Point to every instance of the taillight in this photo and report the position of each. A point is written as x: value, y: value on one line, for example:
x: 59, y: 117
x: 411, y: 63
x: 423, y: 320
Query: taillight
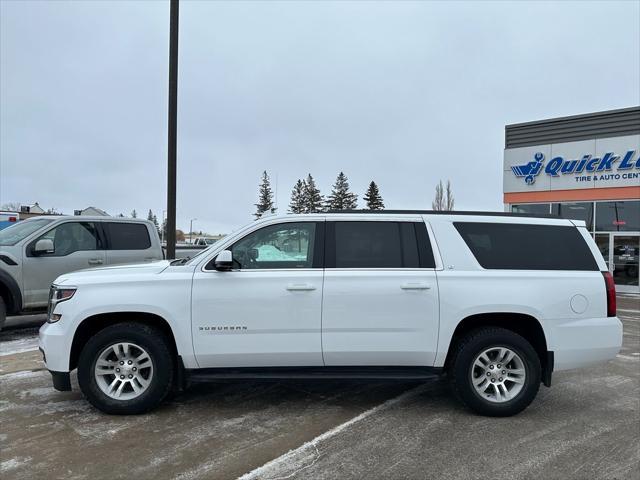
x: 611, y: 294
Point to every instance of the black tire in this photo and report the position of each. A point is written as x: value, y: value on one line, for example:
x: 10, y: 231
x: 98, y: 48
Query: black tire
x: 149, y: 338
x: 3, y: 313
x: 465, y: 352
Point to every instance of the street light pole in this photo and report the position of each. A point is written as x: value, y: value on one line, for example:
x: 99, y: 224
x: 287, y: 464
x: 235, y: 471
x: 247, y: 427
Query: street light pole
x: 191, y: 229
x: 172, y: 134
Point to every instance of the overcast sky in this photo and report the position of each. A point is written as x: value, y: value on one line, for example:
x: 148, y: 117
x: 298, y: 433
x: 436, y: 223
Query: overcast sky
x: 401, y: 93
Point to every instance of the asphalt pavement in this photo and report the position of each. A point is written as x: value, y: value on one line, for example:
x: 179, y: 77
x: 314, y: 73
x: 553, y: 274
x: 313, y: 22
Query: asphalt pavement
x: 587, y: 426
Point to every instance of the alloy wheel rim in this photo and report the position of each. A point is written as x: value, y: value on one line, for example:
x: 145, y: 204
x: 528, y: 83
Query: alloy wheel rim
x: 123, y: 371
x: 498, y: 374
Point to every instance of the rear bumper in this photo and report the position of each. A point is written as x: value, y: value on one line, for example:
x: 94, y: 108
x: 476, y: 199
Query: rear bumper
x: 579, y: 343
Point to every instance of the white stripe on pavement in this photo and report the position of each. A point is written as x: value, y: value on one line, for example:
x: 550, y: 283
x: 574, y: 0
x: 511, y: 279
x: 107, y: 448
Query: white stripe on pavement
x: 276, y: 465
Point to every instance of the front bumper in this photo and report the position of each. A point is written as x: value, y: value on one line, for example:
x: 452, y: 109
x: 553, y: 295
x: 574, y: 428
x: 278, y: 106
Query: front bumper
x: 55, y: 346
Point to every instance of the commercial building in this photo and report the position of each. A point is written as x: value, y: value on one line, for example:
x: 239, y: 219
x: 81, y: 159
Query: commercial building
x: 583, y: 167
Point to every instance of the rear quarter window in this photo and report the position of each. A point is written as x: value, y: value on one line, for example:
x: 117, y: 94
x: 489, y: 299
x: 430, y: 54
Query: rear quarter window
x: 509, y: 246
x: 127, y: 236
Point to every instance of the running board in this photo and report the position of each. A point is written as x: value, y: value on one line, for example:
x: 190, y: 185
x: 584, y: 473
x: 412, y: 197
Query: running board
x: 312, y: 373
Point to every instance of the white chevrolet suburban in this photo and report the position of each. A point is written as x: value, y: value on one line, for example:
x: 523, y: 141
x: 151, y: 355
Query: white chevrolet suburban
x: 497, y: 302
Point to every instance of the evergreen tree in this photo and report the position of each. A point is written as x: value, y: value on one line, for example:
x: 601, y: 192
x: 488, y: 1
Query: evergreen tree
x: 341, y: 198
x: 265, y: 197
x: 134, y: 214
x: 312, y: 199
x: 373, y: 198
x: 297, y: 204
x: 153, y: 219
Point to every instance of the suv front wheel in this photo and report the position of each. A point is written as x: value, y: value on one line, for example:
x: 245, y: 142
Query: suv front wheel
x: 495, y: 372
x: 126, y: 369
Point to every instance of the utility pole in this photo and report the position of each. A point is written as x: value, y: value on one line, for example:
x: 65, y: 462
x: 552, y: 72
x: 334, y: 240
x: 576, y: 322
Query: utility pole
x: 173, y: 124
x: 191, y: 230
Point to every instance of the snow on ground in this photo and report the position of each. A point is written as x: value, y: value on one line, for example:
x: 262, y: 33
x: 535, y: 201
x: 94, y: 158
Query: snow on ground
x: 26, y: 344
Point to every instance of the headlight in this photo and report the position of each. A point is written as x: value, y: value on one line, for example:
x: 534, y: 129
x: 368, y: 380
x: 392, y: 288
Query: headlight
x: 57, y: 295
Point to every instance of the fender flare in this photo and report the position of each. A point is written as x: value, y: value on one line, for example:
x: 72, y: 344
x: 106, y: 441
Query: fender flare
x: 10, y: 291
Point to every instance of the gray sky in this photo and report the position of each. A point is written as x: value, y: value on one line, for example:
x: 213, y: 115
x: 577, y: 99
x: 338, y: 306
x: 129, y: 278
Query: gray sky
x: 401, y: 93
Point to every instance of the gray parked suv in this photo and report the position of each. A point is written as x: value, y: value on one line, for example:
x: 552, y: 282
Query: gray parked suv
x: 34, y: 252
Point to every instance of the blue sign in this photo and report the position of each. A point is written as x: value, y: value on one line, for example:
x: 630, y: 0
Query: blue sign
x: 587, y: 165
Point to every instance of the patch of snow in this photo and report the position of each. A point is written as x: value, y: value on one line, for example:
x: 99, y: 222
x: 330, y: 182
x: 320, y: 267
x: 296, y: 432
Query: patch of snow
x: 21, y: 345
x: 13, y: 463
x: 10, y: 377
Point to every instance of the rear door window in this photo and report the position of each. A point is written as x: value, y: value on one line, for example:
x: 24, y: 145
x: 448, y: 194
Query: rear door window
x: 374, y: 244
x: 127, y: 236
x: 512, y: 246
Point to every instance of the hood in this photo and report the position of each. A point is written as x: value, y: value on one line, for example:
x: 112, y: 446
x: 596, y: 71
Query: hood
x: 115, y: 271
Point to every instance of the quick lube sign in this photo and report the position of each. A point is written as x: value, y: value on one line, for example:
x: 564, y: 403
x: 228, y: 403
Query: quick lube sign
x: 587, y: 165
x: 574, y: 165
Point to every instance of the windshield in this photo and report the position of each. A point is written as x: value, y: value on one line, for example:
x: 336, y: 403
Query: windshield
x: 21, y: 230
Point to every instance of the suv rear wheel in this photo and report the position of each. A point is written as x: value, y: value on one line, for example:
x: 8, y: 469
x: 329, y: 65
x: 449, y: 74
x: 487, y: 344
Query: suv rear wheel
x: 126, y: 368
x: 495, y: 372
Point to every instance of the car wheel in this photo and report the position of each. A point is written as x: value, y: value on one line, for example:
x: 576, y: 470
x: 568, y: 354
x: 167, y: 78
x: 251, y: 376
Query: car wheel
x: 3, y: 313
x: 126, y: 369
x: 495, y: 372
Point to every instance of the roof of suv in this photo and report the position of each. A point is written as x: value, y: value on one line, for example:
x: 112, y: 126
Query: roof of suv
x: 442, y: 212
x: 92, y: 218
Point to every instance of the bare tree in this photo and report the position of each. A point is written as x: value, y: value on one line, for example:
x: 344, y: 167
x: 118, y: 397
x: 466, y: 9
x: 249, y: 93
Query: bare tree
x: 444, y: 198
x: 11, y: 207
x: 449, y: 197
x: 438, y: 201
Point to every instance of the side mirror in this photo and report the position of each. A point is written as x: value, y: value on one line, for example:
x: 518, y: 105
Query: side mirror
x: 224, y: 260
x: 44, y: 245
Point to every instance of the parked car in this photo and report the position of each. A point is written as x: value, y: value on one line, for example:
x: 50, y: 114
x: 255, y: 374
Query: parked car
x: 8, y: 218
x: 204, y: 241
x: 34, y: 252
x: 496, y: 301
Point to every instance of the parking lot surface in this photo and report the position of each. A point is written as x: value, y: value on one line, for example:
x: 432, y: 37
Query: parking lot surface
x: 586, y: 426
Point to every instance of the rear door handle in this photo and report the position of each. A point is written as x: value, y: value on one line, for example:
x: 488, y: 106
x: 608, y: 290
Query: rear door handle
x: 415, y: 286
x: 300, y: 286
x: 95, y: 261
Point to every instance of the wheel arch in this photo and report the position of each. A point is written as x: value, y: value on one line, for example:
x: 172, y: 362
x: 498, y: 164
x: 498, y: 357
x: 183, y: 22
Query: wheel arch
x: 94, y: 323
x: 10, y: 292
x: 523, y: 324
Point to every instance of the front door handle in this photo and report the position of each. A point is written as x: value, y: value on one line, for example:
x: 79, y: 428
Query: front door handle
x: 415, y: 286
x: 300, y: 287
x: 95, y: 261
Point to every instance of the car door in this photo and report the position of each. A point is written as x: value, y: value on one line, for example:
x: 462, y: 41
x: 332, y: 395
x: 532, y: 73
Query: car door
x: 77, y: 245
x: 266, y: 311
x: 380, y: 297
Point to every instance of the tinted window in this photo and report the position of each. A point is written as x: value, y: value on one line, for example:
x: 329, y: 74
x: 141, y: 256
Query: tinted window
x: 378, y: 245
x: 527, y: 247
x: 72, y: 237
x: 531, y: 208
x: 128, y: 236
x: 289, y: 245
x: 618, y: 216
x: 575, y: 211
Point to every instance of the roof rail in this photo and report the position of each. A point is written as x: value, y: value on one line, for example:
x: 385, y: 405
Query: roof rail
x: 448, y: 212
